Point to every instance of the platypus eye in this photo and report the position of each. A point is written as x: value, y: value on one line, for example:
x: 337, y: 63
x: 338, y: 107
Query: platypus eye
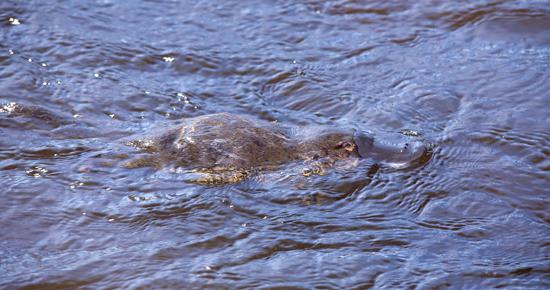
x: 348, y: 146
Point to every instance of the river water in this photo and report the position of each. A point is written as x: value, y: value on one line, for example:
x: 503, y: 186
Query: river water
x: 473, y: 77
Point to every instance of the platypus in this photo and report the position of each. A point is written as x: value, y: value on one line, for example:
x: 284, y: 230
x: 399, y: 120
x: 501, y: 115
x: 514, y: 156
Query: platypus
x: 227, y: 148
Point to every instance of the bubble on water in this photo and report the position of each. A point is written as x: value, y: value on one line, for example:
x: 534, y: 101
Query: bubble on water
x: 14, y: 21
x: 8, y: 108
x: 183, y: 98
x: 76, y: 184
x: 37, y: 171
x: 142, y: 198
x: 411, y: 133
x: 168, y: 58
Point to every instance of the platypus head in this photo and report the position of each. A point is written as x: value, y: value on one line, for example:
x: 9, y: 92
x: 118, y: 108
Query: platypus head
x: 332, y: 143
x: 395, y: 150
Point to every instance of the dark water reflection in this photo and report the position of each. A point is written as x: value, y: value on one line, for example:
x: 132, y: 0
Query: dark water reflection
x: 473, y: 76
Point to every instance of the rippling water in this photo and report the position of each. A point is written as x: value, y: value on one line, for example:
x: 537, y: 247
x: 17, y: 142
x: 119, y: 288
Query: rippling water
x: 472, y: 76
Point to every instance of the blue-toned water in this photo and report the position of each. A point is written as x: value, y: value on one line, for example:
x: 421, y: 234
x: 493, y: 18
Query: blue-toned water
x: 473, y: 77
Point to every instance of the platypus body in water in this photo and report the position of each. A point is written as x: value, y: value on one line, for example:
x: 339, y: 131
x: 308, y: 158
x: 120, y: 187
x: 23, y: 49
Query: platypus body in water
x: 227, y: 148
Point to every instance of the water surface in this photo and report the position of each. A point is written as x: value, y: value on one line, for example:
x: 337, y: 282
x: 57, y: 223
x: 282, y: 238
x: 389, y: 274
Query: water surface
x: 471, y: 76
